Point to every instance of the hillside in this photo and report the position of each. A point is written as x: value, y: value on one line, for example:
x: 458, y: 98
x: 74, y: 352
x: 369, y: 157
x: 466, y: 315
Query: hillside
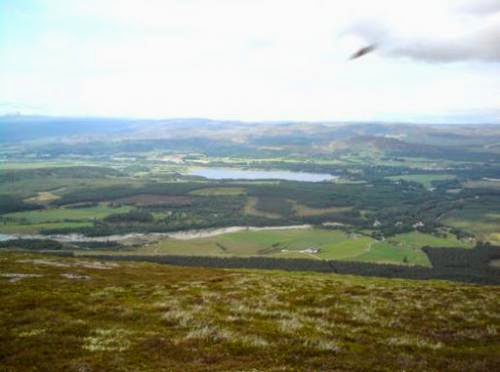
x: 84, y: 315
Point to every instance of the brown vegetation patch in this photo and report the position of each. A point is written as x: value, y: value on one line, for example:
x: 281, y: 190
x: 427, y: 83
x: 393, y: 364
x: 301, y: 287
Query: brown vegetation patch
x: 251, y: 209
x: 85, y: 264
x: 305, y: 211
x: 149, y: 199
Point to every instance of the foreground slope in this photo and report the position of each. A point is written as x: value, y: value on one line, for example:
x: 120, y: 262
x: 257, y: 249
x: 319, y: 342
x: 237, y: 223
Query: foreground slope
x: 84, y: 315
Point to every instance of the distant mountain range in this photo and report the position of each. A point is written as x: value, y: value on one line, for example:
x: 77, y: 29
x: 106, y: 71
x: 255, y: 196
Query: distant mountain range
x: 322, y: 136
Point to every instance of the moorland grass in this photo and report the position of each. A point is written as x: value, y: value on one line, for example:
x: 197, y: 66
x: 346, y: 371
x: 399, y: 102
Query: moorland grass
x: 148, y: 317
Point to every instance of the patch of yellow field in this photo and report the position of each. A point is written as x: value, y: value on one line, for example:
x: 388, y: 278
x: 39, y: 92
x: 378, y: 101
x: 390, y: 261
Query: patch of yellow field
x: 305, y: 211
x: 494, y: 238
x: 42, y: 197
x: 217, y: 191
x: 488, y: 184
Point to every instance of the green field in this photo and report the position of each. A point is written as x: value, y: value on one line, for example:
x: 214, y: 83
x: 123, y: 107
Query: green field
x: 35, y: 228
x: 483, y: 184
x: 219, y: 191
x: 30, y: 187
x: 58, y: 214
x: 482, y: 220
x: 424, y: 179
x: 305, y: 211
x: 332, y: 245
x: 30, y: 222
x: 61, y: 314
x: 247, y: 243
x: 406, y: 248
x: 39, y: 164
x: 281, y: 243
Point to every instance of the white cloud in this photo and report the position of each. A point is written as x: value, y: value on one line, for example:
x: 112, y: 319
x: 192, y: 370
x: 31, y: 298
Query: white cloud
x: 246, y: 59
x: 478, y: 6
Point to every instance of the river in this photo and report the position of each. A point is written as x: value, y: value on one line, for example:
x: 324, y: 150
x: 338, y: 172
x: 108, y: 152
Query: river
x: 179, y: 235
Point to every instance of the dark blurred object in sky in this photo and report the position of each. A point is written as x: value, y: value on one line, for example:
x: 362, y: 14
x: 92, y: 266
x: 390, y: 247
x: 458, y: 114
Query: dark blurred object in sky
x: 365, y: 50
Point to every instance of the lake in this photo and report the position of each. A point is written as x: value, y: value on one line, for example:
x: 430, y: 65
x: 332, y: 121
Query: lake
x: 252, y: 174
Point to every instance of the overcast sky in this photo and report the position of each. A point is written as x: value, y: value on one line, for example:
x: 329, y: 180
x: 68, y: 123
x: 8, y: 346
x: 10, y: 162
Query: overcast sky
x: 436, y: 60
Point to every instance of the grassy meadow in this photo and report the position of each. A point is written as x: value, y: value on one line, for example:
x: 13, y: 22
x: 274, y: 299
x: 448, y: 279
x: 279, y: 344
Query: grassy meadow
x: 424, y: 179
x: 58, y: 214
x: 482, y: 220
x: 295, y: 243
x: 219, y: 191
x: 31, y: 222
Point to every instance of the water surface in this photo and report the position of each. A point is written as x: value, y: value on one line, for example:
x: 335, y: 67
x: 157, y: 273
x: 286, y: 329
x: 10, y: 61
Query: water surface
x: 252, y: 174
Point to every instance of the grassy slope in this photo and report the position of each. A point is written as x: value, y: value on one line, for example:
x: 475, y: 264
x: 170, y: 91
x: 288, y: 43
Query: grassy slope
x: 254, y: 243
x: 148, y: 317
x: 333, y: 245
x: 408, y: 247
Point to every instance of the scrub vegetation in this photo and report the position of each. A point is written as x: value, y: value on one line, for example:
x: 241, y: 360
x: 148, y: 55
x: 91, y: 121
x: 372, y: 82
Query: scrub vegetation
x: 82, y: 314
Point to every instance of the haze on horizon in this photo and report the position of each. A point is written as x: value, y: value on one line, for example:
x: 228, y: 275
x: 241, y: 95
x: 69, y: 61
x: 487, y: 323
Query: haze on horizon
x: 252, y: 59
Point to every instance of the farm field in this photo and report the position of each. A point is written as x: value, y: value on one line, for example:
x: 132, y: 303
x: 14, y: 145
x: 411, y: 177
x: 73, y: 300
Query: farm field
x: 482, y: 220
x: 30, y: 188
x: 106, y: 315
x: 424, y: 179
x: 33, y: 222
x: 314, y: 243
x: 406, y: 248
x: 487, y: 184
x: 246, y: 243
x: 305, y: 211
x: 220, y: 191
x: 35, y: 228
x: 58, y: 214
x: 39, y: 164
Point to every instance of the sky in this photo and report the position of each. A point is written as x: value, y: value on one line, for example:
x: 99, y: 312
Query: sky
x: 435, y: 61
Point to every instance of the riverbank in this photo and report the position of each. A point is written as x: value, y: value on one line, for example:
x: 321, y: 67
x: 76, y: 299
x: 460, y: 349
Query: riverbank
x: 179, y: 235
